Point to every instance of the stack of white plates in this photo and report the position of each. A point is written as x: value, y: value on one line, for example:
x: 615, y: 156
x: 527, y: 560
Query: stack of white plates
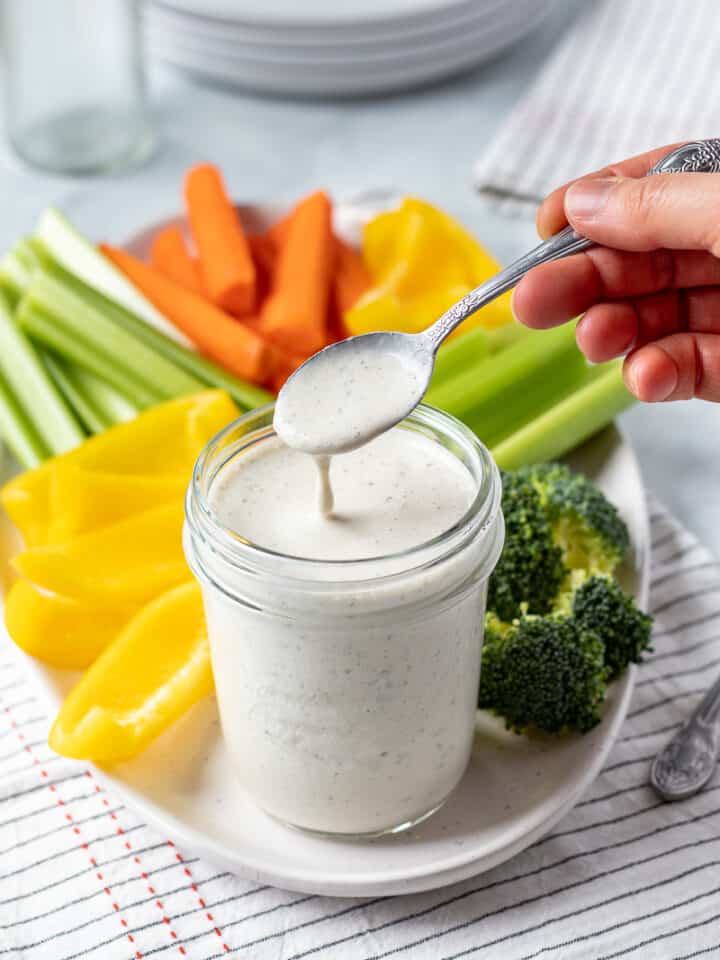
x: 335, y: 47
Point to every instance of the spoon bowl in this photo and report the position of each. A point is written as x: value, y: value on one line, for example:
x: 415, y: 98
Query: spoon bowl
x: 352, y: 391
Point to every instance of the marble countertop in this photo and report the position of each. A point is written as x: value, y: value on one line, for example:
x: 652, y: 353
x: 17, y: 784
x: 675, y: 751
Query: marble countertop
x: 423, y: 142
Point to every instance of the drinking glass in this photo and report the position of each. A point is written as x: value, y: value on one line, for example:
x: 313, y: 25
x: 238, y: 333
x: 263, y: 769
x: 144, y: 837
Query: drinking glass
x: 73, y: 83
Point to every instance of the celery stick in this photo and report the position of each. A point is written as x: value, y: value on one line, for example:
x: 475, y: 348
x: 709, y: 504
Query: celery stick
x: 35, y: 391
x: 500, y: 338
x: 81, y: 320
x: 455, y: 357
x: 18, y: 432
x: 24, y: 250
x: 80, y: 257
x: 471, y: 348
x: 498, y: 395
x: 96, y: 403
x: 247, y: 395
x: 44, y: 328
x: 112, y: 405
x: 578, y: 416
x: 85, y: 412
x: 14, y: 275
x: 16, y: 268
x: 9, y: 291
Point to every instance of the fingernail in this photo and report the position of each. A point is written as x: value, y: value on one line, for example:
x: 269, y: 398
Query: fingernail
x: 659, y: 383
x: 663, y: 385
x: 512, y: 306
x: 630, y: 373
x: 586, y: 199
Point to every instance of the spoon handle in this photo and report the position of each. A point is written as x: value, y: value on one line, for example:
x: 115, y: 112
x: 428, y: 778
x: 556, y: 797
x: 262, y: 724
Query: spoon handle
x: 702, y: 156
x: 560, y: 245
x: 688, y: 760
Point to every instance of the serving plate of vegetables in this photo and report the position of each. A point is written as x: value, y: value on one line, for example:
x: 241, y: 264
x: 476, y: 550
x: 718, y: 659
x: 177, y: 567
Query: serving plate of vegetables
x: 99, y: 584
x: 516, y: 788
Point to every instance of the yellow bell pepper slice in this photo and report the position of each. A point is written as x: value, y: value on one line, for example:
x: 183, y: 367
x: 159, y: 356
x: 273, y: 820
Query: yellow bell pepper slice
x: 155, y: 670
x: 379, y: 243
x: 165, y: 439
x: 383, y: 310
x: 421, y: 261
x: 129, y: 562
x: 377, y: 309
x: 478, y: 263
x: 60, y: 631
x: 83, y: 500
x: 425, y: 260
x: 203, y: 421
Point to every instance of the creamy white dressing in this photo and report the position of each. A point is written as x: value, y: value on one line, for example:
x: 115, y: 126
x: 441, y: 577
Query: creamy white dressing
x: 342, y: 399
x: 399, y: 491
x: 349, y: 707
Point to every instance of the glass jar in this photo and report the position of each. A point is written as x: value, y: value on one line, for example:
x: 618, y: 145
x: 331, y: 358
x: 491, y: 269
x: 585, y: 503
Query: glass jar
x: 74, y: 84
x: 347, y: 689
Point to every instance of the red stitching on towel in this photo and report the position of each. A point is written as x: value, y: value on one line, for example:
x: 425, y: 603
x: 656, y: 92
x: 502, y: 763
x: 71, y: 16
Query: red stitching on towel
x: 151, y: 890
x: 194, y: 888
x: 68, y: 816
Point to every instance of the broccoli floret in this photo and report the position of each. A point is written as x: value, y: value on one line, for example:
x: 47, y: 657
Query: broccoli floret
x: 530, y: 570
x: 601, y: 606
x: 589, y: 528
x: 545, y: 673
x: 558, y: 627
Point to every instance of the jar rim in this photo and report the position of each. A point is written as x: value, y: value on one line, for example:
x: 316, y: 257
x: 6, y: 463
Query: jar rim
x: 203, y: 521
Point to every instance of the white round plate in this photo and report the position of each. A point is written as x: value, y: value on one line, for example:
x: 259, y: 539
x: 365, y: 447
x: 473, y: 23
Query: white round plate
x: 514, y: 791
x: 482, y: 34
x: 178, y: 26
x: 337, y: 78
x: 319, y: 14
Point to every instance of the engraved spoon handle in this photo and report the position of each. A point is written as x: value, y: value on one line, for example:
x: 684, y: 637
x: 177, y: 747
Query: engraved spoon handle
x: 709, y: 709
x: 688, y: 760
x: 702, y: 156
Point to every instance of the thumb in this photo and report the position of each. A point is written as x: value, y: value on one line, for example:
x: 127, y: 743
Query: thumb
x: 674, y: 210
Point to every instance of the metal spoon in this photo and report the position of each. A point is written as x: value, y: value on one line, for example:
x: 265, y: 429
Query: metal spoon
x: 688, y: 760
x: 416, y: 352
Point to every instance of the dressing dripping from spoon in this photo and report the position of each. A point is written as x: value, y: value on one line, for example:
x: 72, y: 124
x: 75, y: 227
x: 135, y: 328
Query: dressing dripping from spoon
x: 342, y: 399
x: 326, y: 499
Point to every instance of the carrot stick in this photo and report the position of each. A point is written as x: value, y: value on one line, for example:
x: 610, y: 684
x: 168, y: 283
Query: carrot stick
x: 351, y: 278
x: 278, y: 232
x: 286, y: 364
x: 337, y: 329
x: 225, y: 261
x: 264, y: 257
x: 169, y: 254
x: 217, y: 335
x: 295, y: 315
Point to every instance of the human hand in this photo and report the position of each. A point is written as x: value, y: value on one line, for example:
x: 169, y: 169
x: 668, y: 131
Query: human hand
x: 651, y: 292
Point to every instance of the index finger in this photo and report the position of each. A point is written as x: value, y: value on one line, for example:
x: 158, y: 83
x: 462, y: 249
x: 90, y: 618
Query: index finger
x: 551, y: 213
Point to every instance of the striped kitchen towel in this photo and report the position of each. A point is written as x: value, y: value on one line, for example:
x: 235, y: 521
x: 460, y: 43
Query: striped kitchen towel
x: 623, y: 875
x: 627, y: 76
